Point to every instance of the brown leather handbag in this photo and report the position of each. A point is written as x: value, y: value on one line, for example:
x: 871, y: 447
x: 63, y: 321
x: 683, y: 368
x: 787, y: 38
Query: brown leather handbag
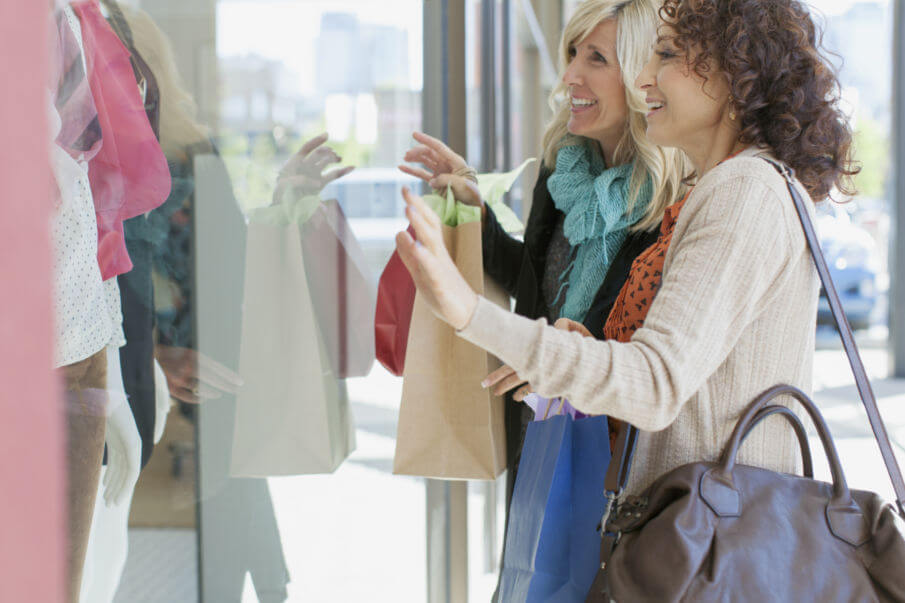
x: 718, y: 531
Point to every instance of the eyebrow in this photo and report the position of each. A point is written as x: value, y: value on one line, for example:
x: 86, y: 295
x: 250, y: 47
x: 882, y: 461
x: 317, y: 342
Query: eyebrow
x: 595, y: 49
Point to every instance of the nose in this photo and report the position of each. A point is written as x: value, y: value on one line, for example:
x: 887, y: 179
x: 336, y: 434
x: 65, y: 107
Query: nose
x: 573, y: 75
x: 646, y: 78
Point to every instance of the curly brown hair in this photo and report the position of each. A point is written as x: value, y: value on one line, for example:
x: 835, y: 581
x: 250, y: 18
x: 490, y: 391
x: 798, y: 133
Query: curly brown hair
x: 783, y: 89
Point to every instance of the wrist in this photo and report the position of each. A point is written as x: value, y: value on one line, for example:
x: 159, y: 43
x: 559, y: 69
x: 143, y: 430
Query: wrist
x: 470, y: 306
x: 467, y: 172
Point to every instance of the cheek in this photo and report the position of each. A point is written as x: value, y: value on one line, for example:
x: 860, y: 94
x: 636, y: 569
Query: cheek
x: 616, y: 107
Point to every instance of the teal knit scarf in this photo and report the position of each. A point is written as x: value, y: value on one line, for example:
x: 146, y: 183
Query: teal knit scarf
x: 595, y: 202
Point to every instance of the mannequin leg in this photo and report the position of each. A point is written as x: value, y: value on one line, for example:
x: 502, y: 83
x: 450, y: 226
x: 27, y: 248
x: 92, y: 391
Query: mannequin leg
x: 86, y: 382
x: 108, y: 544
x: 108, y: 547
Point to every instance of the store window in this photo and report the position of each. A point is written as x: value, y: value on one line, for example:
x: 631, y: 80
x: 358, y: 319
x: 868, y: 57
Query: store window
x: 271, y: 477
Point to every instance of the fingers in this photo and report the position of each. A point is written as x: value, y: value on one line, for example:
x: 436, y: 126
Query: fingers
x: 217, y: 375
x: 184, y: 395
x: 337, y: 173
x: 572, y: 326
x: 312, y: 144
x: 497, y: 375
x: 310, y: 164
x: 181, y: 379
x: 429, y: 158
x: 424, y: 221
x: 405, y: 246
x: 463, y: 189
x: 416, y: 172
x: 434, y: 144
x: 507, y: 384
x: 323, y: 160
x: 522, y: 392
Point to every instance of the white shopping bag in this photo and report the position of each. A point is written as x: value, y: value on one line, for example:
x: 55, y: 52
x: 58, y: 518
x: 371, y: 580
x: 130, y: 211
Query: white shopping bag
x: 292, y: 413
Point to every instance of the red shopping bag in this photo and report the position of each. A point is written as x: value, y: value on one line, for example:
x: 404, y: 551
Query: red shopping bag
x: 395, y: 300
x: 342, y: 291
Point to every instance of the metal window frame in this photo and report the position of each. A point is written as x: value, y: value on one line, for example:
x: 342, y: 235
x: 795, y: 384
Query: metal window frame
x: 897, y: 201
x: 444, y: 79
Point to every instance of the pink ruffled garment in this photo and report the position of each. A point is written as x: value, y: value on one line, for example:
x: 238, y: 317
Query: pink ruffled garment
x: 79, y: 135
x: 129, y: 175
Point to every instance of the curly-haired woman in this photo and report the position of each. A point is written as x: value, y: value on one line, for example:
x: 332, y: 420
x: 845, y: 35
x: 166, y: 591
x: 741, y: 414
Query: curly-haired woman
x: 724, y: 304
x: 601, y: 191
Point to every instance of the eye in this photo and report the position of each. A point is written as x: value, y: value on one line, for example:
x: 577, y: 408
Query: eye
x: 599, y: 57
x: 571, y: 52
x: 664, y: 53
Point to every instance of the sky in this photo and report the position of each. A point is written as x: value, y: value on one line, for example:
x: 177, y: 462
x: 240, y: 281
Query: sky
x: 837, y: 7
x: 286, y: 30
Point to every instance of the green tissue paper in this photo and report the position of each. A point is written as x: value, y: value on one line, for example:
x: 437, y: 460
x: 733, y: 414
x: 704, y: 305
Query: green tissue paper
x: 452, y: 212
x: 493, y: 187
x: 290, y: 211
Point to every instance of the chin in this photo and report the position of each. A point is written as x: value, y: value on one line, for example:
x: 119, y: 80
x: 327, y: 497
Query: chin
x: 656, y: 136
x: 575, y: 131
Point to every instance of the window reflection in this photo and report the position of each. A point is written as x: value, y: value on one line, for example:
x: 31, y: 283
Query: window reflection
x: 221, y: 509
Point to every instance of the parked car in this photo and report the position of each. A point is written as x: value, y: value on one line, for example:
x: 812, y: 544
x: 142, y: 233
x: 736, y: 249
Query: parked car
x: 853, y: 259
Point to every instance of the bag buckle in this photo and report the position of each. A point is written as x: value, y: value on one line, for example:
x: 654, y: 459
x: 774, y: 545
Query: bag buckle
x: 612, y: 501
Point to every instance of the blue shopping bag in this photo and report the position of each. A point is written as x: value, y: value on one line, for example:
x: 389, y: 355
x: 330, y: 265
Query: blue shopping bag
x: 552, y: 544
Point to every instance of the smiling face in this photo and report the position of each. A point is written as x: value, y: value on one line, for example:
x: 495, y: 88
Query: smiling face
x: 596, y: 89
x: 685, y: 110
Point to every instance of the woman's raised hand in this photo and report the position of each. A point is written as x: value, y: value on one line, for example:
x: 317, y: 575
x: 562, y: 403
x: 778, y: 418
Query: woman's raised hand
x: 436, y: 276
x: 304, y: 172
x: 434, y: 155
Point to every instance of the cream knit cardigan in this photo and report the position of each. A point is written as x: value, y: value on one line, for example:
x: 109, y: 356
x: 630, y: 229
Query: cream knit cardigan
x: 735, y: 314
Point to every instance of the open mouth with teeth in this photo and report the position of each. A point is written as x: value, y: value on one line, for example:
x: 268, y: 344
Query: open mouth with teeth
x: 653, y: 108
x: 582, y: 103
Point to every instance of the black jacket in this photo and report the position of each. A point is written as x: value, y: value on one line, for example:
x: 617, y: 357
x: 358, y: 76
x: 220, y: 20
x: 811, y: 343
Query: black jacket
x: 519, y: 268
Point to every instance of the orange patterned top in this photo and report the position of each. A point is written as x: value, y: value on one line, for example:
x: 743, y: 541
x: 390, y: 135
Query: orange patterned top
x: 643, y: 282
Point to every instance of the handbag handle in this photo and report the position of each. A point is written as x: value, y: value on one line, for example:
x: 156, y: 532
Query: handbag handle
x: 844, y: 518
x: 807, y: 462
x: 751, y: 417
x: 617, y: 473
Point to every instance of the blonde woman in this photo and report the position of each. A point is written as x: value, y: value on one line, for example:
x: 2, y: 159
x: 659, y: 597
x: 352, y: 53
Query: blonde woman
x: 602, y: 189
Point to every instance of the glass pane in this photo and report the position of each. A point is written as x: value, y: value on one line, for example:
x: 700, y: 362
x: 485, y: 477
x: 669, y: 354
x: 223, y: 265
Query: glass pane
x: 854, y: 234
x: 252, y: 285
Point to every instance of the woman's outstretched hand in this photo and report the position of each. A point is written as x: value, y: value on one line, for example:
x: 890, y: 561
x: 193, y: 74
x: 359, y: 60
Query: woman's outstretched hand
x: 447, y: 168
x: 505, y: 379
x: 434, y: 155
x: 304, y: 173
x: 436, y: 276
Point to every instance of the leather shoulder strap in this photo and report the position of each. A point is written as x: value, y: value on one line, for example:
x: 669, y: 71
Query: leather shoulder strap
x: 618, y: 471
x: 848, y: 339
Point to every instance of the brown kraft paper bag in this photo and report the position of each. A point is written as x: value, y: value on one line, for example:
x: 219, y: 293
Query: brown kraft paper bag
x: 449, y: 426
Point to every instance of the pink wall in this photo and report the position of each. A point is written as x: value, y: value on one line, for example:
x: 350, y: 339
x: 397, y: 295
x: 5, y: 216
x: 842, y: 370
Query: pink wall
x: 31, y: 435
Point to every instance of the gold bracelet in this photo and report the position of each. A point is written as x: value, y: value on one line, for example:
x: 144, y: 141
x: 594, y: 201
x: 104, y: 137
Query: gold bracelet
x: 467, y: 172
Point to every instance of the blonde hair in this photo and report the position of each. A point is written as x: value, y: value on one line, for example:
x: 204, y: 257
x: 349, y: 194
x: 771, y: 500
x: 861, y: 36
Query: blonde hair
x: 637, y: 22
x: 179, y: 126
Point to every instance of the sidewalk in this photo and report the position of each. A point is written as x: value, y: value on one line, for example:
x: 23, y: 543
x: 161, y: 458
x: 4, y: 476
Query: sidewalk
x: 858, y: 451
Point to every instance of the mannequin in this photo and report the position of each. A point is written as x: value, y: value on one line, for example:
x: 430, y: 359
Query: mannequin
x: 89, y: 321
